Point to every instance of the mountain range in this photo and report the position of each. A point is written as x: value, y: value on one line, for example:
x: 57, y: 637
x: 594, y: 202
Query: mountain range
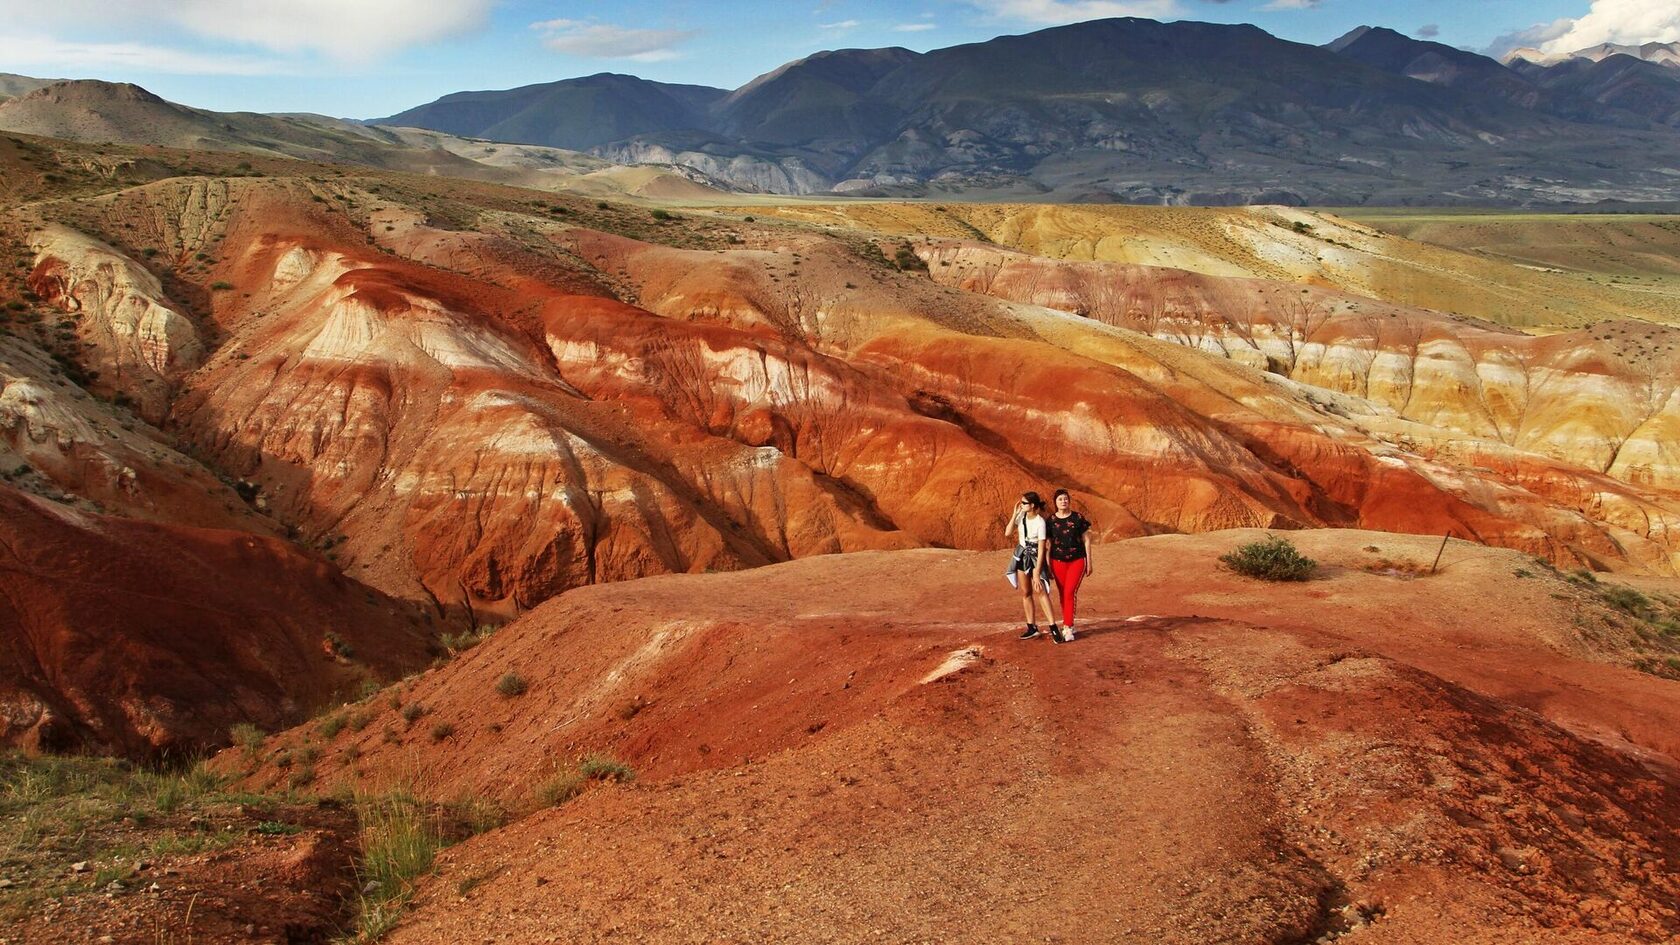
x: 1132, y: 110
x: 1117, y: 110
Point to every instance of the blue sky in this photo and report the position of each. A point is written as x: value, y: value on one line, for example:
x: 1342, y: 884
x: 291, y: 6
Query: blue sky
x: 368, y: 58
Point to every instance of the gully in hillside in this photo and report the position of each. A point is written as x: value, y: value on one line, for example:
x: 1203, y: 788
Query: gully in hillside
x: 1027, y: 569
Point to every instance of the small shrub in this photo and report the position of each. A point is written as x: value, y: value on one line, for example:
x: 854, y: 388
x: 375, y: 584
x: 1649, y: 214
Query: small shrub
x: 603, y: 768
x: 1625, y: 599
x: 441, y: 731
x: 1273, y: 558
x: 332, y: 725
x: 359, y: 720
x: 602, y: 205
x: 302, y: 777
x: 220, y: 286
x: 560, y: 789
x: 412, y: 711
x: 399, y: 842
x: 511, y: 685
x: 748, y: 220
x: 335, y: 645
x: 477, y: 815
x: 248, y: 737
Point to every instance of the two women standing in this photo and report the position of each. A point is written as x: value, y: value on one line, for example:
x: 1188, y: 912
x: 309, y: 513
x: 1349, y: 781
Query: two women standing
x: 1059, y: 544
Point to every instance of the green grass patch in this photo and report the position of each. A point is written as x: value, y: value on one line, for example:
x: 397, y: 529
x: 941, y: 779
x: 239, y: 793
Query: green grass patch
x: 400, y: 840
x: 604, y: 768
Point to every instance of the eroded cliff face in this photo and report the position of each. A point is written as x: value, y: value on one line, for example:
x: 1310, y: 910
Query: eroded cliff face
x: 150, y: 640
x: 488, y: 416
x: 1602, y: 398
x: 136, y: 339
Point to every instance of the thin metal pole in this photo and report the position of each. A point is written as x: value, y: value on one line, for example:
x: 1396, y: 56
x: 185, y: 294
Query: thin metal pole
x: 1443, y: 551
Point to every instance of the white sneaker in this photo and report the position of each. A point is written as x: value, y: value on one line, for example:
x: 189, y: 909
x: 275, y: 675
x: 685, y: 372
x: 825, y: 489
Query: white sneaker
x: 1067, y: 634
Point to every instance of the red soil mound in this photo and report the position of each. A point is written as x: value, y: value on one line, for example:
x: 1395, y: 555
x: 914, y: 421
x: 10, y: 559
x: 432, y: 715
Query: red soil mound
x: 854, y: 748
x: 147, y: 640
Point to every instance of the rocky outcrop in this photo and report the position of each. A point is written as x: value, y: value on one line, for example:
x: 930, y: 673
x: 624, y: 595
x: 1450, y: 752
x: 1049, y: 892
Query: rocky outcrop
x: 139, y: 343
x: 742, y: 171
x: 1603, y: 399
x: 57, y: 441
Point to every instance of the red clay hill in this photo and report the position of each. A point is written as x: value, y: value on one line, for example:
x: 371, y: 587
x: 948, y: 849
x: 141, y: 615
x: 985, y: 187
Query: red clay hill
x: 856, y: 748
x: 152, y: 641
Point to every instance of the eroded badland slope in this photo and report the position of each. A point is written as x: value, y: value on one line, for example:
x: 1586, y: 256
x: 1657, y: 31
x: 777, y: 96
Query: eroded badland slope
x: 269, y: 427
x: 471, y: 398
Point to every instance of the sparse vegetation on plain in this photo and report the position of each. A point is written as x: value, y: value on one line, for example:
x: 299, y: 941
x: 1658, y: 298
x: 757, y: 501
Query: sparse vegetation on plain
x: 106, y: 813
x: 1273, y: 558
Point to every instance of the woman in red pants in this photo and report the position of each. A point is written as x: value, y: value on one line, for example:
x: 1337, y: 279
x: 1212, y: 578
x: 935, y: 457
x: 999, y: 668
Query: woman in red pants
x: 1070, y: 556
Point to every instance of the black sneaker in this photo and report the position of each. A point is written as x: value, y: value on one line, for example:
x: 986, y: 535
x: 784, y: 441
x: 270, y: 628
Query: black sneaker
x: 1056, y: 633
x: 1030, y: 632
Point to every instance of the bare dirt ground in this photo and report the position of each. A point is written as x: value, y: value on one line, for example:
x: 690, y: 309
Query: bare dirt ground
x: 856, y: 748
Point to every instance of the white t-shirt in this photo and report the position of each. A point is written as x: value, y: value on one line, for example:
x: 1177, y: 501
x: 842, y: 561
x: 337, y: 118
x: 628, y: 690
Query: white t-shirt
x: 1033, y: 529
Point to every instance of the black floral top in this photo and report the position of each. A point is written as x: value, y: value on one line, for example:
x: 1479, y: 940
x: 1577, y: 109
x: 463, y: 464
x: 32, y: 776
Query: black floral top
x: 1067, y: 536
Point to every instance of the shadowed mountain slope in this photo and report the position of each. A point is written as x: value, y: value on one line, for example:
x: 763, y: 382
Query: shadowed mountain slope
x: 572, y: 113
x: 151, y: 641
x: 1120, y: 109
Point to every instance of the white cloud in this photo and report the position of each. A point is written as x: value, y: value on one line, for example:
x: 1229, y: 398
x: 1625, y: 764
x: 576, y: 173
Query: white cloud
x: 1625, y: 22
x: 842, y: 25
x: 1533, y: 37
x: 359, y: 30
x: 604, y: 41
x: 915, y: 27
x: 1291, y: 5
x: 45, y: 54
x: 1072, y: 11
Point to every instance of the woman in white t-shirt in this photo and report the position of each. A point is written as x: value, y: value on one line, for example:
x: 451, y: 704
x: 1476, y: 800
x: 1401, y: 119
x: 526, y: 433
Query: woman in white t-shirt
x: 1028, y: 524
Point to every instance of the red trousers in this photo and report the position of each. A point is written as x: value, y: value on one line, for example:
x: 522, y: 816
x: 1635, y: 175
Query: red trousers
x: 1068, y: 575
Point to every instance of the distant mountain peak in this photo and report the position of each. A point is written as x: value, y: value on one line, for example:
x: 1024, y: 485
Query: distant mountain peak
x: 92, y: 91
x: 1348, y: 39
x: 1665, y: 54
